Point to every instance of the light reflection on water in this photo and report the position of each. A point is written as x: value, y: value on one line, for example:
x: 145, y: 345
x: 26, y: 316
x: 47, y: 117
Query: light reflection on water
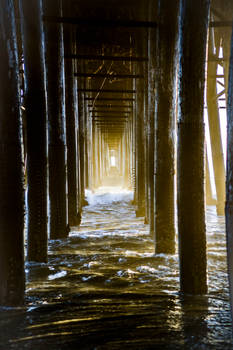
x: 104, y: 288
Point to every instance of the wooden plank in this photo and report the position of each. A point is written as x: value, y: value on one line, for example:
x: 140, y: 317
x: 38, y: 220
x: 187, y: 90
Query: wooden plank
x: 109, y: 99
x: 108, y: 76
x: 110, y: 111
x: 106, y: 58
x: 109, y: 106
x: 112, y: 91
x: 92, y: 22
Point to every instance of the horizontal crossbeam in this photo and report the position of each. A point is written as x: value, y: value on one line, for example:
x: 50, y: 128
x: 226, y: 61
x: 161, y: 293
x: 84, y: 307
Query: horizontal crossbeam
x: 111, y: 106
x: 110, y: 122
x: 108, y: 76
x: 100, y: 22
x: 110, y: 112
x: 106, y: 58
x: 107, y: 117
x: 108, y: 99
x: 112, y: 91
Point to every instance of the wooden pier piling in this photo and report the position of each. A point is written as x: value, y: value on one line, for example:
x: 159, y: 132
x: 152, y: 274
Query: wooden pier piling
x: 190, y: 168
x: 165, y: 119
x: 36, y: 121
x: 54, y: 59
x: 11, y: 175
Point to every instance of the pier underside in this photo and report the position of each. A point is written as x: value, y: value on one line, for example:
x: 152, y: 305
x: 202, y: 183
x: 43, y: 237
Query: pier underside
x: 116, y: 181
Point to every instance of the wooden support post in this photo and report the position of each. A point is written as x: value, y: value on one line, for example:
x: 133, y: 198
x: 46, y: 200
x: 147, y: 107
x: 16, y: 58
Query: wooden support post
x: 131, y: 150
x: 35, y: 113
x: 165, y: 126
x: 146, y: 134
x: 77, y: 130
x: 94, y: 168
x: 151, y: 117
x: 140, y: 154
x: 71, y: 126
x: 97, y: 157
x: 103, y: 150
x: 126, y: 160
x: 86, y: 144
x: 208, y: 190
x: 11, y: 175
x: 100, y: 155
x: 54, y: 52
x: 215, y: 130
x: 226, y: 44
x: 134, y: 155
x: 190, y: 187
x: 229, y: 178
x: 81, y: 147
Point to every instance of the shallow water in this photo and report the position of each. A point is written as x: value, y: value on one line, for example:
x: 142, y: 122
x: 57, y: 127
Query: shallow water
x: 104, y: 288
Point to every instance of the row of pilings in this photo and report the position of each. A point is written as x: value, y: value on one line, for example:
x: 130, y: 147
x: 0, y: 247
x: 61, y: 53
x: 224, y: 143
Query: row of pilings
x: 40, y: 133
x: 46, y: 133
x: 177, y: 60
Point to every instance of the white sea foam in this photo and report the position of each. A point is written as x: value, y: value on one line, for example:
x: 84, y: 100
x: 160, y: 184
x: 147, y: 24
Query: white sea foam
x: 57, y: 275
x: 108, y: 194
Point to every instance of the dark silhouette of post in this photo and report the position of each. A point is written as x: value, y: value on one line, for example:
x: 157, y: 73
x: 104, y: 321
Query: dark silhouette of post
x: 35, y: 113
x: 191, y: 147
x: 54, y: 59
x: 12, y: 278
x: 81, y: 146
x: 140, y: 150
x: 229, y: 178
x: 165, y: 115
x: 71, y: 123
x: 151, y: 126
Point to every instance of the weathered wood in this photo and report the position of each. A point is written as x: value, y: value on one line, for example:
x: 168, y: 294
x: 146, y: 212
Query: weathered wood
x: 71, y: 126
x: 229, y: 178
x: 108, y: 117
x: 107, y: 111
x: 108, y: 75
x: 208, y: 189
x: 140, y: 154
x: 109, y: 99
x: 190, y: 169
x: 215, y: 130
x: 106, y: 58
x: 106, y: 122
x: 151, y: 116
x: 109, y: 106
x: 165, y: 126
x: 81, y: 146
x: 146, y: 133
x: 87, y: 124
x: 54, y: 52
x: 35, y: 112
x: 226, y: 45
x: 100, y: 22
x: 11, y: 179
x: 114, y: 91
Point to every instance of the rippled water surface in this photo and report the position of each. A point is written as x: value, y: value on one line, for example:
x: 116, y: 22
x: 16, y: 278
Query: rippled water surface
x: 104, y: 288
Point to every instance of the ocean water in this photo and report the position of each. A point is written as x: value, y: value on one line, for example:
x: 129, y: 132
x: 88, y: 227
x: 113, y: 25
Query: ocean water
x: 104, y: 288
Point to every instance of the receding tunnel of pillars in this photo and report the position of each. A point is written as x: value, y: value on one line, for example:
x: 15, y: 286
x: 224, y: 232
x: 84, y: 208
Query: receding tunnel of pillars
x: 79, y: 109
x: 111, y: 158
